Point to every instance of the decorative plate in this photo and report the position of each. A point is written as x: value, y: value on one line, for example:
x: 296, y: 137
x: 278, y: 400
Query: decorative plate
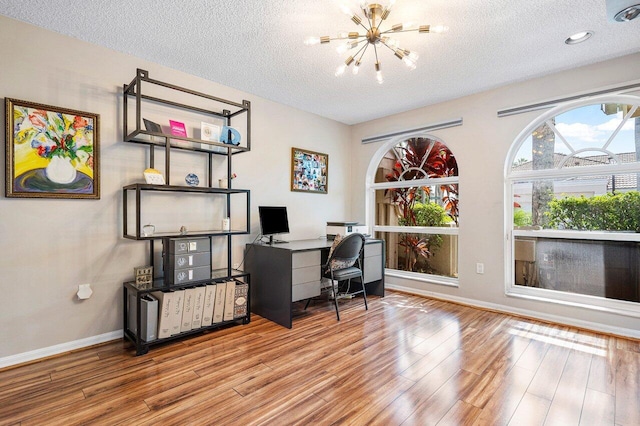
x: 192, y: 179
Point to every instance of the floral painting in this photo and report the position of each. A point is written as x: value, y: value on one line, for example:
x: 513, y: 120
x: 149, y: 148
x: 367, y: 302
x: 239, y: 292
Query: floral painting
x: 309, y: 171
x: 51, y: 152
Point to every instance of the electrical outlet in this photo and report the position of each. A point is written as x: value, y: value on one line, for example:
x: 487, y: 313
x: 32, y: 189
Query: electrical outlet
x: 479, y: 268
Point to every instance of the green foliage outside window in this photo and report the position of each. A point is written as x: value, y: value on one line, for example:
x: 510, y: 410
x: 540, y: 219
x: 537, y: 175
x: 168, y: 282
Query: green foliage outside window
x: 424, y: 246
x: 521, y: 217
x: 609, y: 212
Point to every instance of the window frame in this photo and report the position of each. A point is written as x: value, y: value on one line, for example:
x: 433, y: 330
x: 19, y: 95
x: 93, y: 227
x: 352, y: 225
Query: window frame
x: 370, y: 207
x: 620, y: 307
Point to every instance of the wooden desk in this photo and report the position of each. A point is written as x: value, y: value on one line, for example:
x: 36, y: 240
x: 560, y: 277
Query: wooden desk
x: 289, y: 272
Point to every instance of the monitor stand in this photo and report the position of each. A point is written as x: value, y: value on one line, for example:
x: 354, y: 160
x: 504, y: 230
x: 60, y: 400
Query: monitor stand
x: 273, y: 241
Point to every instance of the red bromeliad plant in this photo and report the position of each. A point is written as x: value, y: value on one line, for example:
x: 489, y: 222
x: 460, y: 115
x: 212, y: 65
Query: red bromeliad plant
x: 420, y: 158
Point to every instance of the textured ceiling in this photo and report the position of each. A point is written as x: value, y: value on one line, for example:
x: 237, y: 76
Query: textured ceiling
x: 257, y: 46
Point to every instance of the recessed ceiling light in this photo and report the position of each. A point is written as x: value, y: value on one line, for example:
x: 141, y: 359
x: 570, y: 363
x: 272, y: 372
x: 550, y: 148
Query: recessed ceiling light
x: 628, y: 13
x: 579, y: 37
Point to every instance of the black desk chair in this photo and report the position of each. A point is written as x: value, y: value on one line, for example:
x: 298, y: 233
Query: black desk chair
x: 341, y: 268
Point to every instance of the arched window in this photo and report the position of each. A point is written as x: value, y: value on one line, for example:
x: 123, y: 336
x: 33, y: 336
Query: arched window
x: 412, y: 199
x: 573, y: 205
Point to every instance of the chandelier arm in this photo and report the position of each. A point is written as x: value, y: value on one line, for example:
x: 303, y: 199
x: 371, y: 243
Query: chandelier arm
x: 349, y: 38
x: 362, y: 49
x: 391, y: 31
x: 391, y: 48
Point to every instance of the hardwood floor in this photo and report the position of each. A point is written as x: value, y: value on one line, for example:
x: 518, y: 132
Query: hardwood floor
x: 407, y: 361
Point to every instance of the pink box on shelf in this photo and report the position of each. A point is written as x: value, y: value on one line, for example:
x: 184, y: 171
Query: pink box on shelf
x: 177, y: 128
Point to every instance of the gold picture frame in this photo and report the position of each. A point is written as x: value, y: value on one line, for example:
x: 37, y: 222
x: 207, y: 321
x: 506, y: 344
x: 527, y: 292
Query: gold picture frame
x: 309, y: 171
x: 51, y: 152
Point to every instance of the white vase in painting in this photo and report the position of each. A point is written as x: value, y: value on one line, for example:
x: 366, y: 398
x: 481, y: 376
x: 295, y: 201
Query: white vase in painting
x: 60, y: 170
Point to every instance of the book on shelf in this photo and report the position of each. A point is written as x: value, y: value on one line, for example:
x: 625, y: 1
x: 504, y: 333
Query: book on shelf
x: 207, y: 310
x: 218, y: 303
x: 187, y: 310
x: 198, y: 305
x: 148, y: 316
x: 178, y: 128
x: 240, y: 301
x: 152, y: 126
x: 176, y: 313
x: 165, y: 309
x: 230, y: 295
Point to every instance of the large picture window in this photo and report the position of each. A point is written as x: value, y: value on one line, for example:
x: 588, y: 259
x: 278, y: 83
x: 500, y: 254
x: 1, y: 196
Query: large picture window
x: 573, y: 206
x: 414, y: 208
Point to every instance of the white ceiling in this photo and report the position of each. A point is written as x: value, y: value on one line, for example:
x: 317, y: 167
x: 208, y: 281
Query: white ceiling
x: 257, y: 46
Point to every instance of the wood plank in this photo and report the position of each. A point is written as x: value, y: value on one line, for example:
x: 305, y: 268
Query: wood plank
x: 545, y: 382
x: 461, y: 414
x: 568, y: 400
x: 506, y: 398
x: 627, y: 388
x: 16, y: 410
x: 531, y: 411
x: 598, y: 409
x: 492, y: 378
x: 602, y: 375
x: 400, y: 409
x: 434, y: 409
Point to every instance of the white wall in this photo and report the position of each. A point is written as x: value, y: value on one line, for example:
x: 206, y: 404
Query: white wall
x: 480, y: 146
x: 48, y: 247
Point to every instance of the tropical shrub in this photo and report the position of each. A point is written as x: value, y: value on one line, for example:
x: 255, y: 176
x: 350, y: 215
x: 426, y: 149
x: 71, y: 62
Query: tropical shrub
x: 521, y: 217
x: 609, y: 212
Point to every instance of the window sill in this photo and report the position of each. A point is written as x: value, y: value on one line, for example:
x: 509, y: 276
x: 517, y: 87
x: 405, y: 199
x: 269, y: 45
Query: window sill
x: 425, y: 278
x: 619, y: 307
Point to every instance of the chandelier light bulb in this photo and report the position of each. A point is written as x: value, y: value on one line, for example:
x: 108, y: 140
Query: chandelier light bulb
x: 391, y: 42
x: 407, y: 26
x: 343, y: 48
x: 412, y: 55
x: 409, y: 63
x: 388, y: 8
x: 310, y: 41
x: 340, y: 70
x: 356, y: 68
x: 379, y: 78
x: 439, y: 29
x: 345, y: 9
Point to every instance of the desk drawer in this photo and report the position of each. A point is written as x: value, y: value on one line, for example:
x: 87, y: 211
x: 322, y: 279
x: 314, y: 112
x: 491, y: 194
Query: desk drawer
x: 305, y: 290
x: 305, y: 258
x: 373, y: 250
x: 305, y: 275
x: 372, y: 269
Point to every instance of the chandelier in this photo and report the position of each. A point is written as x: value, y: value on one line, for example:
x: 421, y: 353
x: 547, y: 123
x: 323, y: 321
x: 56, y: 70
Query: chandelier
x: 376, y: 37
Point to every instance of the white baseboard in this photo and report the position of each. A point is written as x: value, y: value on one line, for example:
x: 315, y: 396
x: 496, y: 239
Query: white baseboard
x: 618, y: 331
x: 59, y: 349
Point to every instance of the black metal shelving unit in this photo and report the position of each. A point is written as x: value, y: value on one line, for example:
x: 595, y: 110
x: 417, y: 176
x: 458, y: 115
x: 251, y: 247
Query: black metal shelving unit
x: 230, y: 112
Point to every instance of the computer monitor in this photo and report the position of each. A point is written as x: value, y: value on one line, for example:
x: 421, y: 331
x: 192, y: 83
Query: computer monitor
x: 273, y: 220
